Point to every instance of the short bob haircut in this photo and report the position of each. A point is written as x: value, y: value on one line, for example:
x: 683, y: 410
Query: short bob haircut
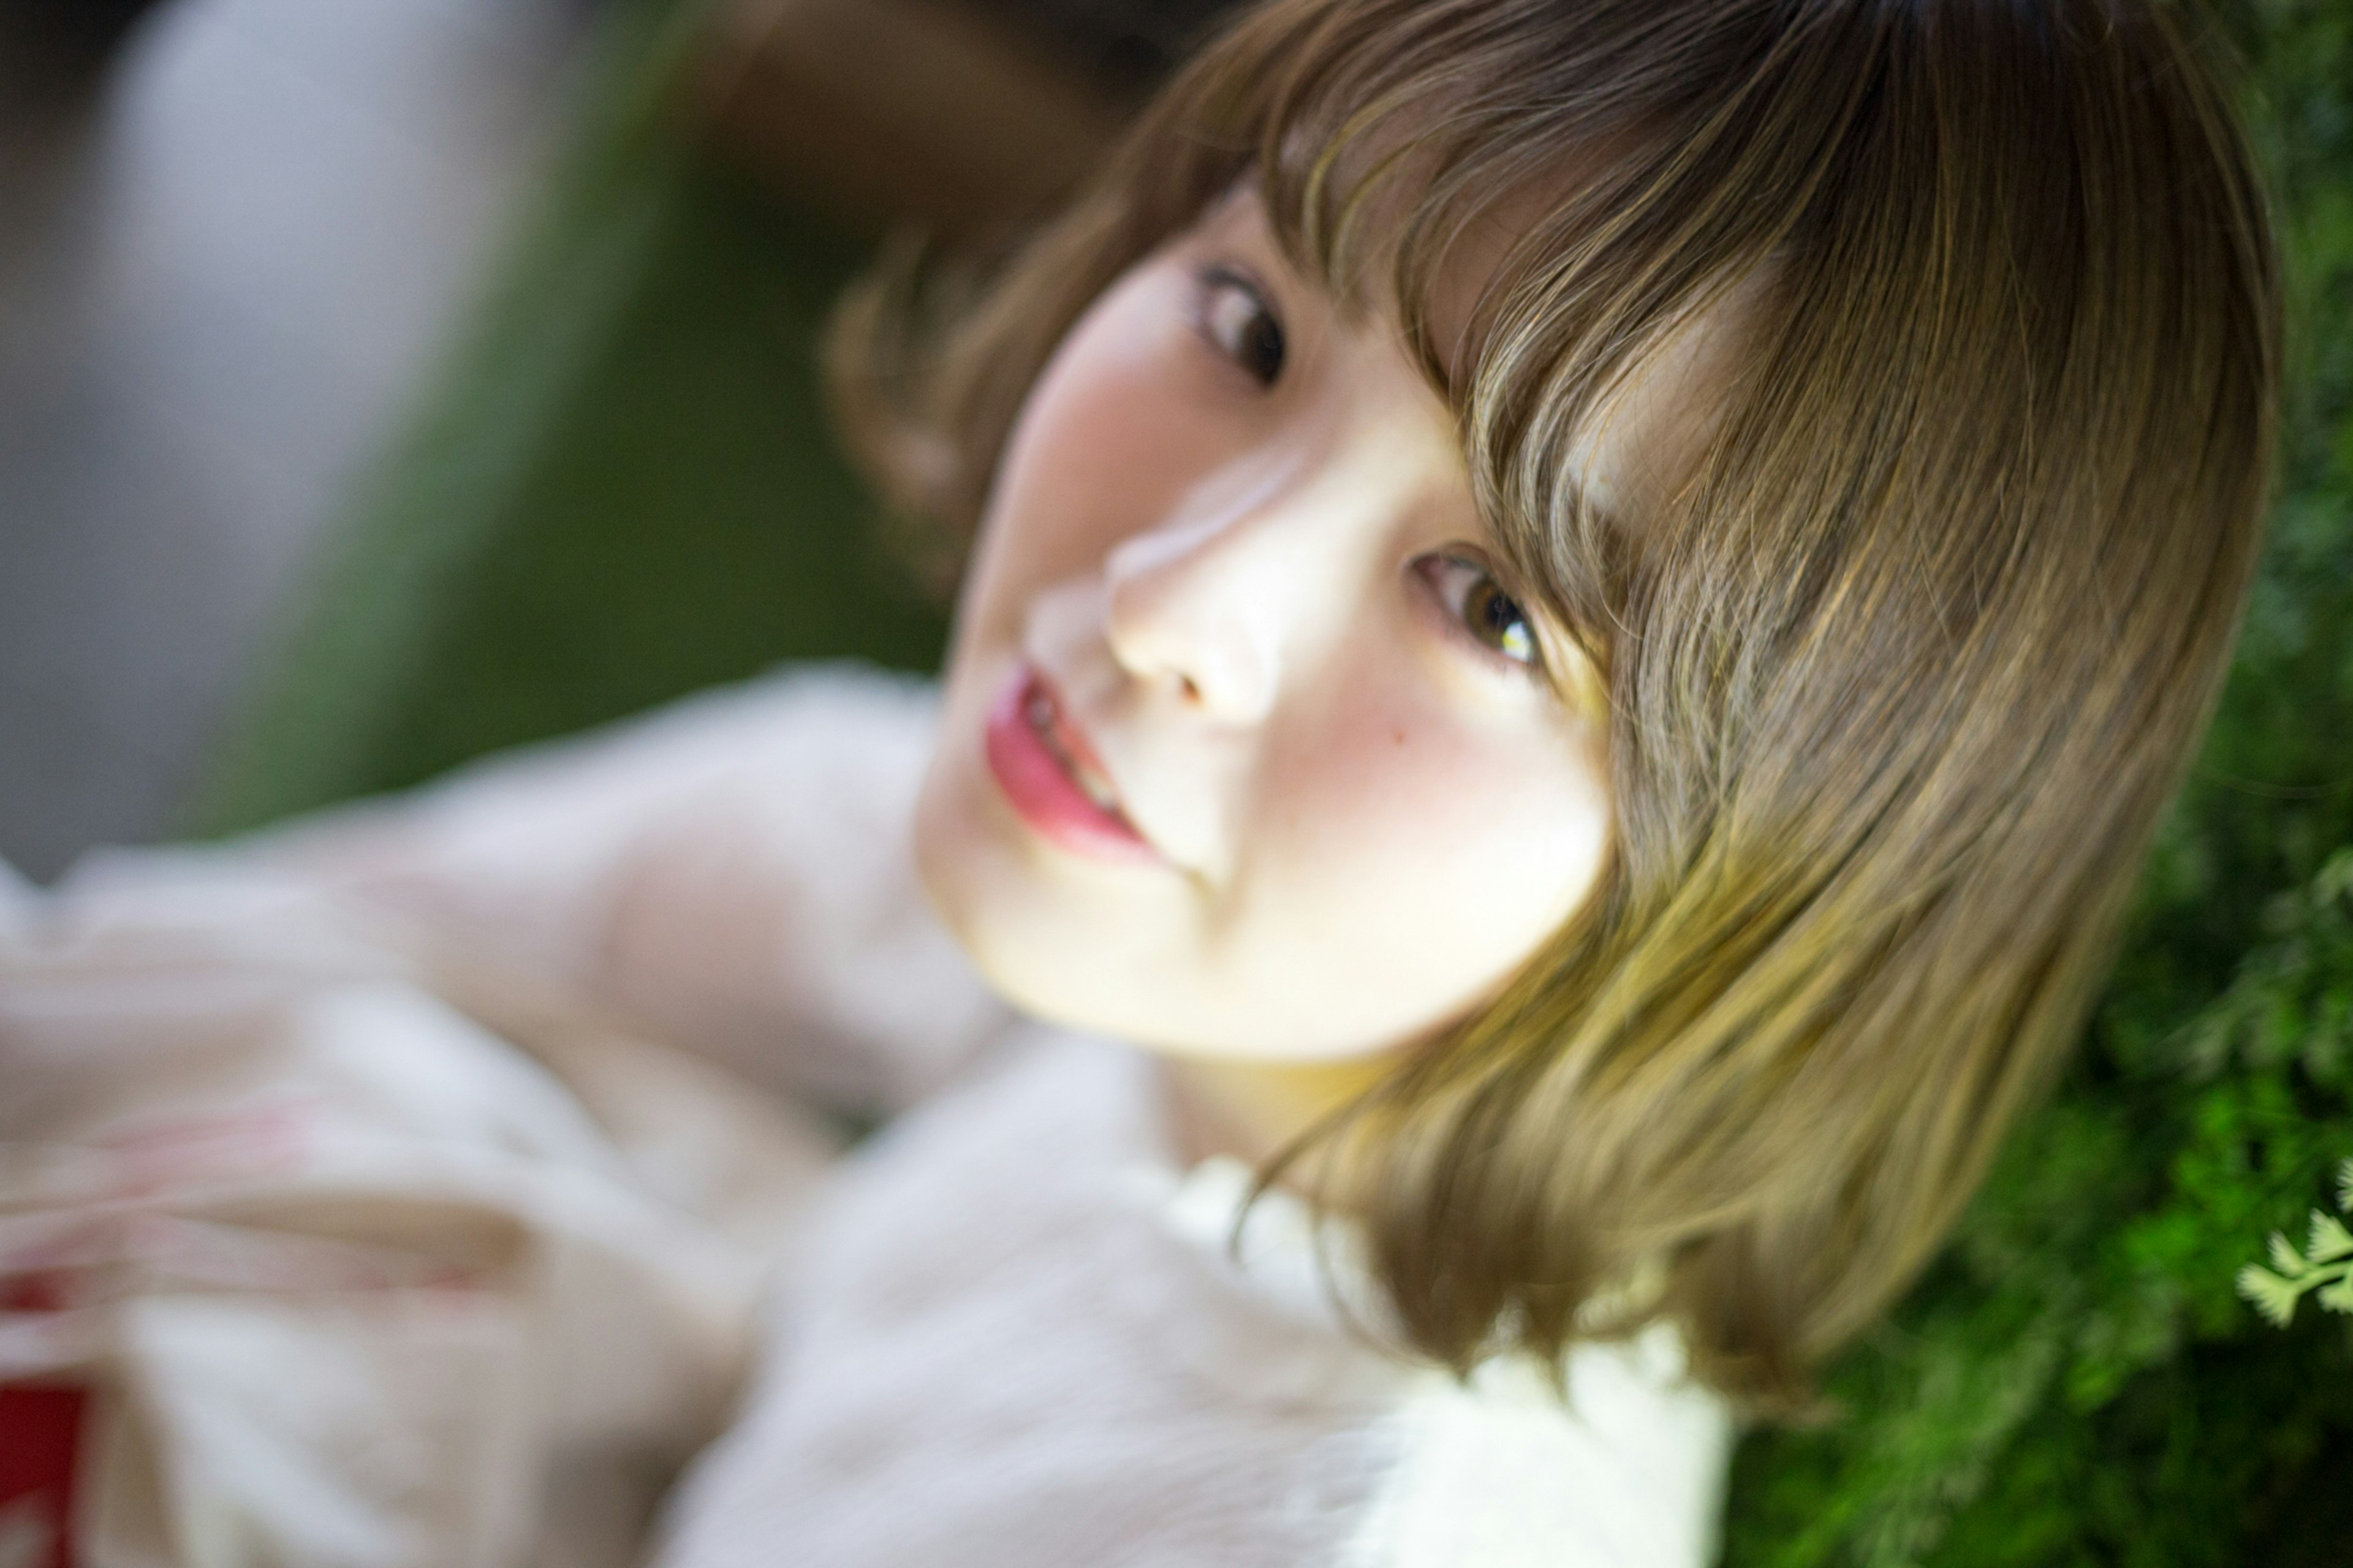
x: 1901, y: 683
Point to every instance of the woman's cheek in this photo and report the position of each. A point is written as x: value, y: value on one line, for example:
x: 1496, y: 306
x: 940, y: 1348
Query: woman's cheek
x: 1108, y: 446
x: 1368, y: 788
x: 1441, y: 845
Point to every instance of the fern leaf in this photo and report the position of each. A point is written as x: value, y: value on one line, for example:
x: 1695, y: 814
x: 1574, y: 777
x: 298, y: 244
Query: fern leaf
x: 2345, y: 1186
x: 2286, y: 1259
x: 2269, y: 1294
x: 2329, y: 1240
x: 2337, y: 1297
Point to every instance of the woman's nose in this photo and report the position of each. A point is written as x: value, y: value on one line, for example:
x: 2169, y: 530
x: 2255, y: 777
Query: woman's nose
x: 1261, y: 564
x: 1224, y: 592
x: 1181, y: 611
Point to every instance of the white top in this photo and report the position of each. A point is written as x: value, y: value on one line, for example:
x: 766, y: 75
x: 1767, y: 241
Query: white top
x: 1019, y: 1338
x: 530, y: 1252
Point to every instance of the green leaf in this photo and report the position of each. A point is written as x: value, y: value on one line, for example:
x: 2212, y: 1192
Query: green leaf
x: 2337, y: 1297
x: 2286, y: 1259
x: 2336, y: 879
x: 2269, y: 1294
x: 2329, y: 1240
x: 2345, y: 1186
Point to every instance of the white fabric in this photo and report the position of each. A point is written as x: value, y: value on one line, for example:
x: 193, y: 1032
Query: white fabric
x: 365, y: 1263
x: 368, y: 1181
x: 1019, y: 1338
x: 731, y: 871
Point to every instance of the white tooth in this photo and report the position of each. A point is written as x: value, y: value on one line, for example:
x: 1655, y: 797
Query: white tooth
x: 1040, y: 713
x: 1098, y: 789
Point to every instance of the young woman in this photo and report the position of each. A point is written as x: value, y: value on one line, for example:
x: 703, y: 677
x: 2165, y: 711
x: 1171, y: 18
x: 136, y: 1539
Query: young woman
x: 1580, y: 614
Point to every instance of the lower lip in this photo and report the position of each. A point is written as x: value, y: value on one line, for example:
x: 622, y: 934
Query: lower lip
x: 1045, y: 797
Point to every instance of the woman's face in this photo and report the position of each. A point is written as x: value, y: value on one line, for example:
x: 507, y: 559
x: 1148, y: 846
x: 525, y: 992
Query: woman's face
x: 1250, y: 750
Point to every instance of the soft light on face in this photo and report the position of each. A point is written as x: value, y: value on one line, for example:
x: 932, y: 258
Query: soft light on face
x: 1249, y: 750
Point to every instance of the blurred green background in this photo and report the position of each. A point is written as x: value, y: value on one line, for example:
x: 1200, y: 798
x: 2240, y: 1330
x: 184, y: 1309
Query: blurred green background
x: 618, y: 489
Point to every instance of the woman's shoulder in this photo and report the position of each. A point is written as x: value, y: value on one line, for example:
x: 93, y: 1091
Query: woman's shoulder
x: 1271, y: 1306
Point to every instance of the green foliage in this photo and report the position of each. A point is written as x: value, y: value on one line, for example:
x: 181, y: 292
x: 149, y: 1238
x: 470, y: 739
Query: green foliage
x: 2078, y: 1379
x: 618, y: 487
x: 2324, y: 1269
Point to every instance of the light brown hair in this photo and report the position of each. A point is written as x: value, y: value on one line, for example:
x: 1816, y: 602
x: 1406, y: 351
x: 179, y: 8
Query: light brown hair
x: 1901, y: 680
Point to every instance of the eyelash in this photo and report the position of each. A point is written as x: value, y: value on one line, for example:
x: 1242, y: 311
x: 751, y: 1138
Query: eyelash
x: 1517, y: 646
x: 1259, y: 353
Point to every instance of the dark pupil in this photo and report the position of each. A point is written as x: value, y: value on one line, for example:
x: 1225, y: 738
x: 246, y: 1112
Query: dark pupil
x: 1493, y: 615
x: 1261, y: 347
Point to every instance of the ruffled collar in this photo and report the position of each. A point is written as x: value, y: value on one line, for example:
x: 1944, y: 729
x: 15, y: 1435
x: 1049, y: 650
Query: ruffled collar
x: 1252, y: 1269
x: 1266, y: 1299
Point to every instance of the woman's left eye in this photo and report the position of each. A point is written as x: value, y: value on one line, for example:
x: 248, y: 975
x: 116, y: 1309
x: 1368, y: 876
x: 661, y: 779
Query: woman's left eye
x: 1472, y: 595
x: 1233, y: 313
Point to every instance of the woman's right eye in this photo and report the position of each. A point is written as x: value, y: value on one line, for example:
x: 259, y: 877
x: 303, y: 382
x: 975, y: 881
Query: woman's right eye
x: 1477, y: 603
x: 1239, y: 324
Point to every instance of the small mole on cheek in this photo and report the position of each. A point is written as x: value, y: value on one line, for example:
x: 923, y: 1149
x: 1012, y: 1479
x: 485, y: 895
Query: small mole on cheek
x: 1399, y: 739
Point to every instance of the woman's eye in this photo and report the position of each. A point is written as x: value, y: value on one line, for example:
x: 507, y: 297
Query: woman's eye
x: 1239, y: 324
x: 1471, y: 593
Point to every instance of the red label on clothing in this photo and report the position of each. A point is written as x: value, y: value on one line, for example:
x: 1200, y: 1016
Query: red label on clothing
x: 41, y: 1291
x: 40, y: 1449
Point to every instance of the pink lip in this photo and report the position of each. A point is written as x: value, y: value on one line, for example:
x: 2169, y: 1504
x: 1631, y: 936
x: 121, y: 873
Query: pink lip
x: 1037, y: 784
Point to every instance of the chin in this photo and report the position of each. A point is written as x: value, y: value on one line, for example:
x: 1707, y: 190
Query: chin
x: 992, y: 902
x: 1043, y: 941
x: 1110, y: 957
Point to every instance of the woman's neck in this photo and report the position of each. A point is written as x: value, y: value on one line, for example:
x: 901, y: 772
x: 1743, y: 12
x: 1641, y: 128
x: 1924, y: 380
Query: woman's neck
x: 1252, y: 1109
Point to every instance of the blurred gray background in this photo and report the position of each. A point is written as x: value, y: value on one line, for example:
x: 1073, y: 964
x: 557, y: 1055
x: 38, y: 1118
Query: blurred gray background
x: 228, y: 249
